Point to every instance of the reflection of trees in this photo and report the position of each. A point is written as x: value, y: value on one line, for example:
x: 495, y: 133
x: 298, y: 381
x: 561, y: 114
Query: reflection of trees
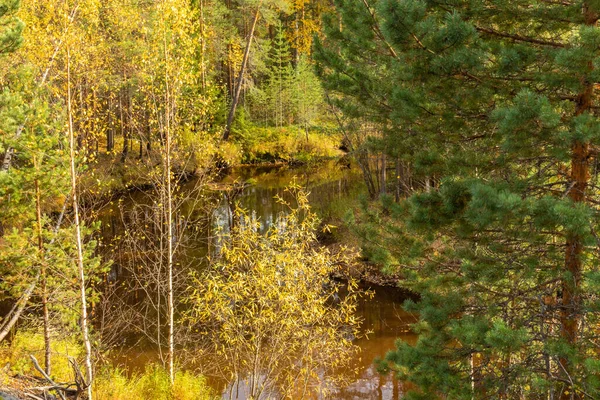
x: 134, y: 303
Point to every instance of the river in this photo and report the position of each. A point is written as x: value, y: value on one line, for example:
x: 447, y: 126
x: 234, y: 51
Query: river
x: 331, y: 186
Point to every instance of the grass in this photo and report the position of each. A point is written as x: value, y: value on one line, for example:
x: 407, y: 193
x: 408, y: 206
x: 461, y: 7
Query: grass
x: 287, y: 144
x: 110, y: 383
x: 114, y: 384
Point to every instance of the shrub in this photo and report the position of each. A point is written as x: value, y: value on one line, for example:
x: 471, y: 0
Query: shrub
x: 270, y: 310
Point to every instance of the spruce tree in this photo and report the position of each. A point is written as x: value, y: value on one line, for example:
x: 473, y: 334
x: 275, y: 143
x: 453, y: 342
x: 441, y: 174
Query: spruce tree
x: 280, y: 78
x: 497, y: 100
x: 307, y: 94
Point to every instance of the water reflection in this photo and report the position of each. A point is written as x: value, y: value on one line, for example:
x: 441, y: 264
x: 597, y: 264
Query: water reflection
x: 388, y: 322
x: 329, y: 185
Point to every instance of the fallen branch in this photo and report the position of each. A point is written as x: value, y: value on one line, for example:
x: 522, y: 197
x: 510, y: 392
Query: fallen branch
x: 60, y: 389
x: 33, y: 396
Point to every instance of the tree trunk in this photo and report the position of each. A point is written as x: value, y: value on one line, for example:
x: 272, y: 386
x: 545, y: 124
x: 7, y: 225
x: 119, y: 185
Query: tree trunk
x: 363, y: 163
x: 570, y: 298
x: 124, y: 133
x: 382, y: 185
x: 398, y: 190
x: 45, y: 313
x: 238, y: 84
x: 110, y: 132
x: 79, y: 241
x: 148, y: 135
x: 169, y: 218
x: 19, y: 307
x: 202, y: 49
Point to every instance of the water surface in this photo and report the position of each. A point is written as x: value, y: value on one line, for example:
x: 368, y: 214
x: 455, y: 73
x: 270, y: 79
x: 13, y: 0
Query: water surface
x: 331, y: 186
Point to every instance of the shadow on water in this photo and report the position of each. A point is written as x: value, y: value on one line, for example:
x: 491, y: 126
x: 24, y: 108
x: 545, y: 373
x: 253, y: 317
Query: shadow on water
x: 330, y: 186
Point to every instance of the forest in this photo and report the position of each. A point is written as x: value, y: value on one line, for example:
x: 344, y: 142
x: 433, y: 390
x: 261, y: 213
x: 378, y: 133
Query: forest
x: 299, y: 199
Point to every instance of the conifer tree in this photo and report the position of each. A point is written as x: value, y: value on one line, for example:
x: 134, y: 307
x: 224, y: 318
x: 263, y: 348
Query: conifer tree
x: 280, y: 77
x: 11, y: 27
x: 497, y: 100
x: 307, y: 94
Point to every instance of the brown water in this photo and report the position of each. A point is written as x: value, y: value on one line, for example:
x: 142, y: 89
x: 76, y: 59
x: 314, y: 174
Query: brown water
x: 330, y: 188
x: 388, y: 322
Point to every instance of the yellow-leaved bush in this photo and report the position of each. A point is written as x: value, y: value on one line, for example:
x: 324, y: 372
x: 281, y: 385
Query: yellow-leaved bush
x: 276, y: 321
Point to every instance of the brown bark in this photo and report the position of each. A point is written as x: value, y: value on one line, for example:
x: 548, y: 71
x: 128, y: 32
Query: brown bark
x: 363, y: 163
x: 398, y: 189
x: 125, y: 133
x: 519, y: 38
x: 570, y: 298
x: 13, y: 316
x: 383, y: 177
x: 110, y: 132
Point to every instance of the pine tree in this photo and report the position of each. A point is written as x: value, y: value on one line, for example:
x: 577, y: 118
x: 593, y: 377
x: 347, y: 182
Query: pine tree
x: 11, y: 27
x: 497, y: 101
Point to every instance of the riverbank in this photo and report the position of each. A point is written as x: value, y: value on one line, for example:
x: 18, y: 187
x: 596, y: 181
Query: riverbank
x: 109, y: 175
x: 334, y: 190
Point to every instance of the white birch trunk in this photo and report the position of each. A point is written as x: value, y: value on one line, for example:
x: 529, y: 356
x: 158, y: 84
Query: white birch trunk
x: 80, y: 268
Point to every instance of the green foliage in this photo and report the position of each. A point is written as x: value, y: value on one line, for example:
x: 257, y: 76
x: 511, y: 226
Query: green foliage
x: 11, y: 27
x: 288, y: 94
x: 494, y: 106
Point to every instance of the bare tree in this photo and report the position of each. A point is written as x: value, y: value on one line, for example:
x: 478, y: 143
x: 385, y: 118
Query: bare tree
x: 168, y: 196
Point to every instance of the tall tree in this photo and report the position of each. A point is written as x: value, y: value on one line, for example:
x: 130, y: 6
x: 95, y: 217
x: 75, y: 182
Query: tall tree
x: 496, y: 99
x: 238, y: 83
x: 280, y: 78
x: 79, y: 239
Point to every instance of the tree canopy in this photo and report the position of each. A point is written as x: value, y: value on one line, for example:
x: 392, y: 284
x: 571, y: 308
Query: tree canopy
x: 493, y: 102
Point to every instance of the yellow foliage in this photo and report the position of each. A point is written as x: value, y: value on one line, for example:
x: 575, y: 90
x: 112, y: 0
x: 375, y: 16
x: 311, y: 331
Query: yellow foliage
x: 27, y: 343
x: 271, y: 310
x: 114, y: 384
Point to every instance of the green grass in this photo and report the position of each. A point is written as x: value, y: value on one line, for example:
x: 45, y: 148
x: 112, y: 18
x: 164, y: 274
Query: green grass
x: 287, y: 144
x: 110, y: 383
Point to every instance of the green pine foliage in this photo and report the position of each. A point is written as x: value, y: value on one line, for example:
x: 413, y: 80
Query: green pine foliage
x: 496, y: 101
x: 11, y: 27
x: 280, y: 79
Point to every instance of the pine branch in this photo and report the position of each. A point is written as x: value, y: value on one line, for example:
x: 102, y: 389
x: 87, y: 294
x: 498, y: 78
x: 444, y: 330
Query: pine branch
x: 520, y: 38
